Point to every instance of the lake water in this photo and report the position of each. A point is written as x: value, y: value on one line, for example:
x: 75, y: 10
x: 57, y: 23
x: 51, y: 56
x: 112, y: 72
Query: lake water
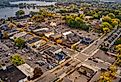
x: 10, y: 12
x: 39, y: 3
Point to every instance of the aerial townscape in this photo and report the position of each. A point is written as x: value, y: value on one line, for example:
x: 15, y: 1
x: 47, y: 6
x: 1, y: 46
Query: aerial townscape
x: 60, y: 41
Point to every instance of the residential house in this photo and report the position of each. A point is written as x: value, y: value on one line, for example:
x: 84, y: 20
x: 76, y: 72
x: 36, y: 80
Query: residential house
x: 12, y: 74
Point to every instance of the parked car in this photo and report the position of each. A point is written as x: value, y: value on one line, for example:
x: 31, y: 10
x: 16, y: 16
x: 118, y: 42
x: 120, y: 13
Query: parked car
x: 40, y: 62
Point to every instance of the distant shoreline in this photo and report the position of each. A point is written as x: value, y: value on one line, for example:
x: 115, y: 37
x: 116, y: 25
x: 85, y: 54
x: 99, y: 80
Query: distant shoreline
x: 26, y: 3
x: 32, y: 2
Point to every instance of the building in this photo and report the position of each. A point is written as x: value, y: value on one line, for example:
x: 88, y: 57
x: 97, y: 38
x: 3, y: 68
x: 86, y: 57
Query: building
x: 18, y: 35
x: 55, y: 37
x: 4, y: 27
x: 12, y: 74
x: 26, y: 69
x: 1, y: 35
x: 53, y: 24
x: 86, y: 40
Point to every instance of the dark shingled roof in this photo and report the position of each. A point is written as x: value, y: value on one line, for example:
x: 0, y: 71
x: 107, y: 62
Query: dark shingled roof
x: 11, y: 74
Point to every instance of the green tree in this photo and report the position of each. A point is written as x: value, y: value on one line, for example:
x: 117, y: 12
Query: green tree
x: 85, y: 27
x: 118, y: 16
x: 106, y: 25
x: 19, y: 42
x: 111, y: 15
x: 90, y: 13
x: 105, y: 13
x: 78, y: 19
x: 96, y: 16
x: 17, y: 60
x: 20, y: 13
x: 32, y: 13
x: 116, y: 12
x: 82, y: 16
x: 76, y: 22
x: 118, y: 41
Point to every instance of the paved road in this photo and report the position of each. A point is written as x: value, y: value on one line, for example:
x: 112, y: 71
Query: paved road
x: 89, y: 50
x: 50, y: 76
x: 92, y: 47
x: 80, y: 58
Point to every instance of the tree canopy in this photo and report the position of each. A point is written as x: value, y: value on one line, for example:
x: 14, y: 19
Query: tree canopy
x: 17, y: 59
x: 20, y: 13
x: 106, y: 19
x: 77, y: 22
x: 19, y: 42
x: 111, y: 15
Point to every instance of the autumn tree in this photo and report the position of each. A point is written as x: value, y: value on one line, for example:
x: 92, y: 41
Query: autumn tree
x: 115, y: 22
x: 59, y: 41
x: 106, y: 30
x: 37, y: 73
x: 106, y: 19
x: 118, y: 48
x: 38, y: 18
x: 105, y: 77
x: 5, y: 34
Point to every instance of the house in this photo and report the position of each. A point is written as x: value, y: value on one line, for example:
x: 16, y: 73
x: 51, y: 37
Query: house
x: 43, y: 48
x: 81, y: 12
x: 60, y: 56
x: 96, y: 23
x: 66, y: 33
x: 27, y: 36
x: 12, y: 74
x: 4, y: 27
x: 41, y: 29
x: 67, y: 43
x: 55, y: 37
x: 53, y: 24
x: 34, y: 43
x: 112, y: 38
x: 26, y: 69
x: 1, y: 35
x: 39, y: 43
x: 48, y: 34
x: 86, y: 40
x: 18, y: 35
x: 73, y: 37
x: 56, y: 53
x: 12, y: 32
x: 54, y: 49
x: 88, y: 18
